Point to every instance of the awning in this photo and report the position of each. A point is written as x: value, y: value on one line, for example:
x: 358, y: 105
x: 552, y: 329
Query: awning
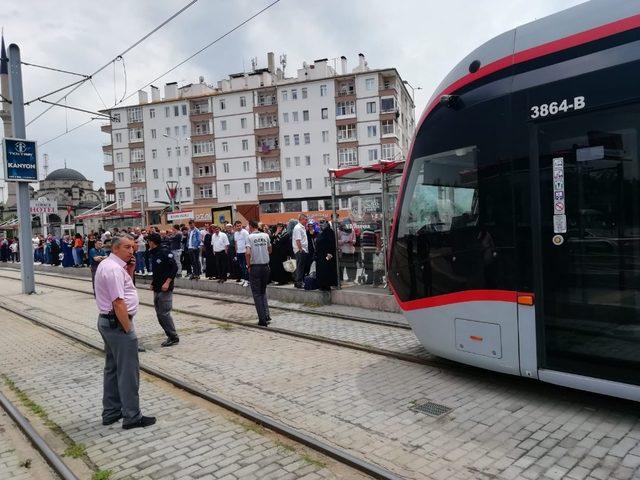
x: 111, y: 214
x: 366, y: 172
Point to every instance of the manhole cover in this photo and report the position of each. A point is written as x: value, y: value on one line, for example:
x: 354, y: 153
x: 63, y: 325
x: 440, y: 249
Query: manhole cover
x: 432, y: 409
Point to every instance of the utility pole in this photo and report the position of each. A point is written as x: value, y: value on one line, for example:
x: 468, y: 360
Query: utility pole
x: 19, y: 131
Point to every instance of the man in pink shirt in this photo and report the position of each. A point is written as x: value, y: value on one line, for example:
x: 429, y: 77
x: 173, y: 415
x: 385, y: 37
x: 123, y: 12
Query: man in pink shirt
x: 117, y: 300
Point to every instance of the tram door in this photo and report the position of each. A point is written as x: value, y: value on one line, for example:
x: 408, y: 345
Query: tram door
x: 590, y: 244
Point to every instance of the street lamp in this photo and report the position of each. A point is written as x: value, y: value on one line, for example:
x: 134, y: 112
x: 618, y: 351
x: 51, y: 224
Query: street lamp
x: 165, y: 135
x: 413, y: 91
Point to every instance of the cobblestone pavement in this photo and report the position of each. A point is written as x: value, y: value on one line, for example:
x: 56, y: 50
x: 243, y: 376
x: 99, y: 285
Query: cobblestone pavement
x: 190, y: 440
x: 392, y: 339
x: 18, y: 459
x: 500, y: 427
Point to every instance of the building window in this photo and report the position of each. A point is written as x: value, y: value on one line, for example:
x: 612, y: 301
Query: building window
x: 305, y: 115
x: 372, y: 131
x: 134, y: 114
x: 245, y: 166
x: 309, y: 184
x: 294, y: 117
x: 298, y: 184
x: 287, y: 140
x: 156, y: 194
x: 387, y: 127
x: 187, y: 171
x: 347, y: 132
x: 120, y: 177
x: 118, y: 137
x: 270, y: 207
x: 184, y: 129
x: 176, y: 131
x: 326, y: 185
x: 243, y: 122
x: 167, y: 112
x: 323, y: 90
x: 206, y: 191
x: 225, y: 146
x: 243, y: 101
x: 307, y: 138
x: 304, y: 93
x: 152, y: 113
x: 294, y: 94
x: 184, y: 109
x: 293, y: 206
x: 185, y: 149
x: 285, y: 117
x: 203, y: 147
x: 205, y: 170
x: 227, y: 189
x: 223, y: 124
x: 138, y: 175
x: 373, y: 154
x: 387, y: 105
x: 347, y: 157
x: 137, y: 155
x: 188, y: 191
x: 169, y: 152
x: 296, y: 139
x: 177, y: 151
x: 289, y: 185
x: 223, y: 104
x: 247, y: 188
x: 296, y: 161
x: 155, y: 173
x: 245, y: 144
x: 344, y: 203
x: 119, y: 157
x: 325, y: 136
x: 345, y: 108
x: 287, y: 162
x: 225, y: 167
x: 176, y: 110
x: 153, y: 133
x: 388, y: 151
x: 115, y: 117
x: 371, y: 107
x: 307, y: 160
x: 312, y: 205
x: 167, y: 131
x: 170, y: 172
x: 284, y: 95
x: 369, y: 83
x: 326, y: 159
x: 324, y: 113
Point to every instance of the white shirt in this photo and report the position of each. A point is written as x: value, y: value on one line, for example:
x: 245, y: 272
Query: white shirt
x: 300, y: 233
x: 241, y: 238
x: 219, y: 241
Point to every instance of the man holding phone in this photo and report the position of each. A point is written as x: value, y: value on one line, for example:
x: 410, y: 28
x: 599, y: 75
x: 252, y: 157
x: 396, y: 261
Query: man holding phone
x: 117, y: 300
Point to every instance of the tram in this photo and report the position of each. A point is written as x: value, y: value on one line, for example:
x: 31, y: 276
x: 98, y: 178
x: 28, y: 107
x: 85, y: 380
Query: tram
x: 516, y: 242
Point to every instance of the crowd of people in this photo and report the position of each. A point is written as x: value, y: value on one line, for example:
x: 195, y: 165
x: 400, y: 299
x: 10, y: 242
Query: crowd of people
x: 303, y: 251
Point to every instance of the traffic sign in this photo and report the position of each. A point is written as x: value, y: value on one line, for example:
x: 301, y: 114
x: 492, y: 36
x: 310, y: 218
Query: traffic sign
x: 20, y: 160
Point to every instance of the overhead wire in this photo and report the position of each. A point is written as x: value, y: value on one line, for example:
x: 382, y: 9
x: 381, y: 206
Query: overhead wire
x: 120, y: 55
x: 240, y: 25
x: 69, y: 131
x: 97, y: 92
x: 55, y: 69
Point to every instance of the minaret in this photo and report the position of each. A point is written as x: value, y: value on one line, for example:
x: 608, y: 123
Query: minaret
x: 5, y: 112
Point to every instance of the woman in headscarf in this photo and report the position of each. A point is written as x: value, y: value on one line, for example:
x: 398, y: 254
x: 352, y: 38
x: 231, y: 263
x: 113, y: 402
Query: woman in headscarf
x: 281, y: 250
x: 311, y: 242
x: 67, y: 252
x: 210, y: 263
x: 326, y: 271
x: 55, y: 251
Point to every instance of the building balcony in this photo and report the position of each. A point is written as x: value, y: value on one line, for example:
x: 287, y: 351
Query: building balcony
x: 267, y: 129
x: 136, y: 143
x: 201, y: 136
x: 107, y: 148
x: 197, y: 200
x: 135, y: 124
x: 138, y: 183
x: 392, y: 133
x: 204, y: 179
x: 267, y: 151
x: 387, y: 90
x: 200, y: 109
x: 268, y: 166
x: 347, y: 138
x: 203, y: 159
x: 137, y: 163
x: 270, y: 194
x: 110, y: 187
x: 106, y: 127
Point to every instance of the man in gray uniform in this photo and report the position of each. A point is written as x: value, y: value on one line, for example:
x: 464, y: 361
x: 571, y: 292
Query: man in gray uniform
x: 117, y: 300
x: 257, y: 256
x: 164, y: 273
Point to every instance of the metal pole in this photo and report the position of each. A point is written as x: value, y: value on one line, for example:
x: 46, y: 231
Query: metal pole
x: 334, y: 220
x: 19, y: 131
x: 143, y: 214
x: 385, y: 210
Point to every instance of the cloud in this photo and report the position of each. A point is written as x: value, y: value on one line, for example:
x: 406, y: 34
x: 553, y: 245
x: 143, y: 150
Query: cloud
x: 422, y: 39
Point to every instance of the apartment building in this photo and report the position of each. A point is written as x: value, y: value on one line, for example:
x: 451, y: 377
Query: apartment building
x: 258, y: 143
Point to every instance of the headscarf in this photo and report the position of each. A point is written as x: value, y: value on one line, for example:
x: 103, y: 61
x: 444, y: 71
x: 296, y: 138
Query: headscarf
x: 292, y: 223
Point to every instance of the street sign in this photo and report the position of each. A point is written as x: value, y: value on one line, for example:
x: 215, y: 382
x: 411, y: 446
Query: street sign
x: 43, y: 206
x: 21, y: 160
x: 180, y: 215
x: 70, y: 226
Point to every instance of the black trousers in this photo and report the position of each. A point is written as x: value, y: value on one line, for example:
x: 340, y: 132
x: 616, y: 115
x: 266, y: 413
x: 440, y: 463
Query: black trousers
x: 222, y: 264
x: 259, y: 278
x: 194, y: 258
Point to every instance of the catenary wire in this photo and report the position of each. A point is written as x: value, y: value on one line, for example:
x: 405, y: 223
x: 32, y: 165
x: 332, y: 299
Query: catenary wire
x: 74, y: 108
x: 200, y: 51
x: 97, y: 92
x: 120, y: 55
x: 5, y: 99
x: 55, y: 69
x: 71, y: 130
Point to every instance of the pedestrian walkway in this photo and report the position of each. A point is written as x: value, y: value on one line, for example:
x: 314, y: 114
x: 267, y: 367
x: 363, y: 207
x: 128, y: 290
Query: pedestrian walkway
x: 499, y: 427
x: 192, y: 439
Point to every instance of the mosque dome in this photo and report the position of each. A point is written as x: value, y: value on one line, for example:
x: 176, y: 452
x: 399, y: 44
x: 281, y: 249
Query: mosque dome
x: 66, y: 174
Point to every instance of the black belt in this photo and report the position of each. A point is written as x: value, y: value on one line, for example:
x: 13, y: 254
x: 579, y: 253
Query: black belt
x: 112, y: 316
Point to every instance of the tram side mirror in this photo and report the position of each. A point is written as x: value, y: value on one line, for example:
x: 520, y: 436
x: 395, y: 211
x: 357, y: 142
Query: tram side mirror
x: 450, y: 101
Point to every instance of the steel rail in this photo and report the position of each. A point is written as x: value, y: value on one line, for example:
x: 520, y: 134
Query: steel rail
x: 197, y: 294
x: 283, y: 331
x: 51, y: 457
x: 270, y: 423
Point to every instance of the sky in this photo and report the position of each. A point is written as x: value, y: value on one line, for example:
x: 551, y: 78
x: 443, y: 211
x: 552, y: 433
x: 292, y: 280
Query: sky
x: 423, y: 39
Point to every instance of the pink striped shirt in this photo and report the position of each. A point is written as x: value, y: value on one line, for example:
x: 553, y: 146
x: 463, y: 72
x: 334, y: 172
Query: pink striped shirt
x: 112, y: 282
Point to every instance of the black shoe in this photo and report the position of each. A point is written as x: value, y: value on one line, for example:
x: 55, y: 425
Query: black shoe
x: 268, y: 320
x: 141, y: 348
x: 143, y: 422
x: 170, y: 341
x: 263, y: 324
x: 111, y: 421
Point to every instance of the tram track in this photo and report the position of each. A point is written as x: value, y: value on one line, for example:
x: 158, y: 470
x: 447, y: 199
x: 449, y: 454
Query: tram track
x: 34, y: 438
x: 272, y: 424
x: 279, y: 330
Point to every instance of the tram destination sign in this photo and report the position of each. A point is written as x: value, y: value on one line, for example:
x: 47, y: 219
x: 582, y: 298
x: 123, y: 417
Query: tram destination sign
x: 20, y: 160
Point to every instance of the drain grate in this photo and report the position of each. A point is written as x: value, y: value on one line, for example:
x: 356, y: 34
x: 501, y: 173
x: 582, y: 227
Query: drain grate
x: 432, y: 409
